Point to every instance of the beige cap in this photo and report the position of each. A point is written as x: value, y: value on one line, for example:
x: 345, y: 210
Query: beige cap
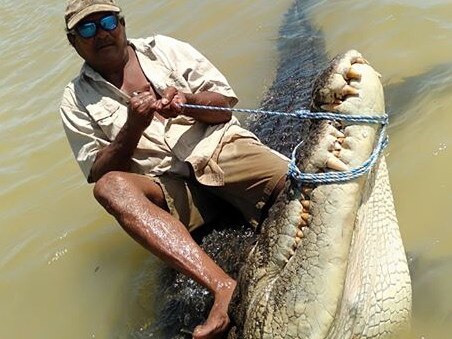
x: 77, y: 10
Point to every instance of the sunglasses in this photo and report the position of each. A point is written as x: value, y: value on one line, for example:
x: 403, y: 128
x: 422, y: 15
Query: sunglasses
x: 88, y: 29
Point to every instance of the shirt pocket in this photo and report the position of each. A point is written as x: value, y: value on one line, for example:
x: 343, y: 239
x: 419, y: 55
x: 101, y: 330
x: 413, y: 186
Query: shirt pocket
x: 110, y: 116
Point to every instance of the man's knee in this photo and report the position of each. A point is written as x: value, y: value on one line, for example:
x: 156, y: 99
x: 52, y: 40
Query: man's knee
x: 108, y: 189
x: 115, y: 189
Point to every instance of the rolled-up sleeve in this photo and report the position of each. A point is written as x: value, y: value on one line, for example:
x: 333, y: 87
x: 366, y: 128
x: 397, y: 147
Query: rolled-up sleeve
x: 84, y: 136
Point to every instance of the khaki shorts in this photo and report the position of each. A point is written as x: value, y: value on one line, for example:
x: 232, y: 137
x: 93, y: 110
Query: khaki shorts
x: 251, y: 172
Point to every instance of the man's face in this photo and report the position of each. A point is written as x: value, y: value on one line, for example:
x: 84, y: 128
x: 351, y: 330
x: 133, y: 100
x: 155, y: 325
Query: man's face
x: 106, y: 49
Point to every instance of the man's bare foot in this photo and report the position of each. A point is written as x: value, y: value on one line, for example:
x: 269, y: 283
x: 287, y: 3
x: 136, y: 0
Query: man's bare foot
x: 218, y: 320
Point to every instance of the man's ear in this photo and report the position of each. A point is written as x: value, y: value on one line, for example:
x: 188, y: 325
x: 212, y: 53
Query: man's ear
x: 71, y: 39
x: 122, y: 21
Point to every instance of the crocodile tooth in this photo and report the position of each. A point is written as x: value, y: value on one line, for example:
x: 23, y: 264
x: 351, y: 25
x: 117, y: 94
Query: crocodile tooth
x: 338, y: 134
x: 306, y: 204
x: 338, y: 125
x: 297, y: 241
x: 300, y: 234
x: 340, y: 140
x: 305, y: 216
x: 337, y: 146
x: 307, y: 191
x: 329, y: 107
x: 361, y: 60
x: 349, y: 90
x: 336, y: 153
x: 353, y: 74
x: 335, y: 164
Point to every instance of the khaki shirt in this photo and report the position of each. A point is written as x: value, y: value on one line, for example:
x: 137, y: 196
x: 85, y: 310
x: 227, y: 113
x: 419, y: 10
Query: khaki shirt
x: 93, y: 112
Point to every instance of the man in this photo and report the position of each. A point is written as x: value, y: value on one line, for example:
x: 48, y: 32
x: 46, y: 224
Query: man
x: 159, y: 169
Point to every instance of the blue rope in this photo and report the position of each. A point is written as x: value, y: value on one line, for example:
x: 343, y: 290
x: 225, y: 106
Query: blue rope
x: 301, y: 114
x: 321, y: 178
x: 338, y: 177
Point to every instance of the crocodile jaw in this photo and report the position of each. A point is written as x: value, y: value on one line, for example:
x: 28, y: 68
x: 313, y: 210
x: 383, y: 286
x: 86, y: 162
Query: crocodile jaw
x: 294, y: 280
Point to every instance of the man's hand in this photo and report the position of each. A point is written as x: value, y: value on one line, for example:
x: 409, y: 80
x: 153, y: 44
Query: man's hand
x: 141, y: 109
x: 118, y: 154
x: 143, y: 105
x: 172, y: 99
x: 171, y: 103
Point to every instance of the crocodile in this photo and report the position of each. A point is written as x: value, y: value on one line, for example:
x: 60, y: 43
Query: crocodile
x: 329, y: 261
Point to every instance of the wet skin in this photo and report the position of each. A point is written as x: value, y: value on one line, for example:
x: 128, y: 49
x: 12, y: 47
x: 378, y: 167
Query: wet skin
x: 137, y: 203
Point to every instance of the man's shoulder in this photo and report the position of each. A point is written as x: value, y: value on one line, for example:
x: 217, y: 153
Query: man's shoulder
x: 165, y: 39
x: 81, y: 83
x: 70, y: 90
x: 73, y: 83
x: 79, y: 91
x: 158, y: 42
x: 69, y: 97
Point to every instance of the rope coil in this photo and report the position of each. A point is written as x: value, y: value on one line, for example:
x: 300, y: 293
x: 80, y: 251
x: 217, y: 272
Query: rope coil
x: 321, y: 178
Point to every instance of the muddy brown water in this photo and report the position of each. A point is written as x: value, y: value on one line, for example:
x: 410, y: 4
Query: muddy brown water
x: 66, y: 268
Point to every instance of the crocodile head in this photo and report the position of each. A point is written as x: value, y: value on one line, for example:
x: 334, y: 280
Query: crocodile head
x: 329, y: 262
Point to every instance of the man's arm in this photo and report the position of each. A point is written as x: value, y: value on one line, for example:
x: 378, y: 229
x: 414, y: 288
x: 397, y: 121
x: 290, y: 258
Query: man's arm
x: 172, y: 99
x: 118, y: 155
x: 208, y: 99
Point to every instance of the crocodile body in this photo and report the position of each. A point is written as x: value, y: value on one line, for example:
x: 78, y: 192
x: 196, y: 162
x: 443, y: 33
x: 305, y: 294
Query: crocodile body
x: 329, y: 262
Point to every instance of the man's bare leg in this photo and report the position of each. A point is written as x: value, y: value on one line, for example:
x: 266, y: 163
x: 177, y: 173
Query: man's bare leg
x: 138, y: 204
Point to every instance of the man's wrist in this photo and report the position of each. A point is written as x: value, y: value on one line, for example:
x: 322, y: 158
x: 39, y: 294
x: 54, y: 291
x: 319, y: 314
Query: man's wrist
x: 190, y: 97
x: 136, y: 125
